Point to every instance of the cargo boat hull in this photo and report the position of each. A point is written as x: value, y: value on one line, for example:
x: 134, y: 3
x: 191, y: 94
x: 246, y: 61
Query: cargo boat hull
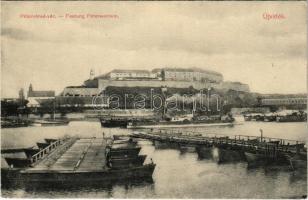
x: 221, y: 155
x: 18, y: 162
x: 291, y: 119
x: 20, y: 177
x: 49, y: 141
x: 257, y: 159
x: 120, y: 163
x: 50, y: 122
x: 124, y: 152
x: 30, y: 151
x: 114, y: 123
x: 42, y: 145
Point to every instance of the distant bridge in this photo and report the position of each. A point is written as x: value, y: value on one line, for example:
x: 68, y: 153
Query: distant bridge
x: 284, y: 101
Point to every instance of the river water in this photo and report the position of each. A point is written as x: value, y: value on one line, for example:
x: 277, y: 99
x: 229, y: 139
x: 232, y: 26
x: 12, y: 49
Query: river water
x: 177, y: 175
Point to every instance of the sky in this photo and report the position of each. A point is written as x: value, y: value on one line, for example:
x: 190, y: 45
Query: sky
x: 232, y: 38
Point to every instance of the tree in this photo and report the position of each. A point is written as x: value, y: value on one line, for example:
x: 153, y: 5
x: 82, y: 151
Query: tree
x: 163, y: 74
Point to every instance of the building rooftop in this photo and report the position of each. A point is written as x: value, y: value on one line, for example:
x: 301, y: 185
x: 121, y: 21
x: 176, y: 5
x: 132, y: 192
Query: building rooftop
x: 80, y: 86
x: 193, y: 69
x: 41, y: 94
x: 129, y: 71
x: 121, y: 71
x: 234, y: 82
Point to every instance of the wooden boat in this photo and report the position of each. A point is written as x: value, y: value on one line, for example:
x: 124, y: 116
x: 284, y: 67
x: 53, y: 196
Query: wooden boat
x: 127, y: 169
x: 55, y: 123
x: 5, y: 124
x: 50, y: 122
x: 291, y: 116
x: 257, y: 159
x: 254, y: 117
x: 229, y: 155
x: 26, y: 177
x: 42, y: 145
x: 204, y: 152
x: 253, y: 141
x: 13, y: 150
x: 118, y: 163
x: 161, y: 145
x: 14, y: 122
x: 18, y: 162
x: 254, y: 159
x: 187, y: 148
x: 298, y: 164
x: 123, y: 140
x: 291, y: 119
x: 130, y: 142
x: 120, y: 137
x: 274, y: 142
x: 124, y: 152
x: 114, y: 122
x: 183, y: 121
x: 270, y: 117
x: 300, y: 147
x: 31, y: 151
x: 48, y: 140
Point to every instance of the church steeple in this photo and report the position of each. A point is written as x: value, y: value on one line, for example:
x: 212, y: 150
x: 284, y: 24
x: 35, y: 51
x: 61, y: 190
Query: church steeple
x: 92, y: 74
x: 30, y: 90
x: 30, y: 87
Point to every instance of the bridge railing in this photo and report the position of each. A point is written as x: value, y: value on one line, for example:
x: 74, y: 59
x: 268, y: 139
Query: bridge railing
x: 42, y: 153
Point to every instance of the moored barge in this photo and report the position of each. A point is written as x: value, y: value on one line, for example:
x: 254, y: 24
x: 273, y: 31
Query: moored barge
x: 120, y: 163
x: 183, y: 122
x: 75, y: 160
x: 24, y: 177
x: 291, y: 116
x: 125, y: 152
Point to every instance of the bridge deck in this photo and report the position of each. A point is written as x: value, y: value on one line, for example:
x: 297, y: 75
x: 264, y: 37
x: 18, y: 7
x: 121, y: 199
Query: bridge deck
x: 245, y: 143
x: 85, y: 154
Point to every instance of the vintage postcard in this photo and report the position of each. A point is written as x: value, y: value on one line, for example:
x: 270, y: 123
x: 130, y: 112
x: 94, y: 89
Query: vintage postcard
x: 152, y: 100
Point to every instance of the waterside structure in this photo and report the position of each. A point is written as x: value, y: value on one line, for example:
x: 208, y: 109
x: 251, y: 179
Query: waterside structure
x: 255, y: 150
x: 74, y: 160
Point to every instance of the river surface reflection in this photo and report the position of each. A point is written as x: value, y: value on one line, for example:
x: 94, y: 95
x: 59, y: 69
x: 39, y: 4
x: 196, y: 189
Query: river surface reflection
x: 177, y: 175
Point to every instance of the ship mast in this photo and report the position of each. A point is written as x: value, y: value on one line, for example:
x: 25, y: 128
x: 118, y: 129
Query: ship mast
x: 54, y: 109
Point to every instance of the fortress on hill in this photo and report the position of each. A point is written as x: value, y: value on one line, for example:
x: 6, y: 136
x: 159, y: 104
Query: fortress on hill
x: 161, y: 77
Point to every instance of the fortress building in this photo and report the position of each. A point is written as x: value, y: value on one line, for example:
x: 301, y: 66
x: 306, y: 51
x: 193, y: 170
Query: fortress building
x: 189, y: 74
x: 160, y: 77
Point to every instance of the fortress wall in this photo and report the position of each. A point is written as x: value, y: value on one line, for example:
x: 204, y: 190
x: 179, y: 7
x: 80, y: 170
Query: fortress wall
x: 172, y: 84
x: 233, y: 86
x: 237, y: 111
x: 102, y: 84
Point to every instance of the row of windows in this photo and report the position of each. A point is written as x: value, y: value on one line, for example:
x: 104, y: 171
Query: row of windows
x: 129, y: 74
x: 81, y: 95
x: 197, y: 75
x: 284, y: 101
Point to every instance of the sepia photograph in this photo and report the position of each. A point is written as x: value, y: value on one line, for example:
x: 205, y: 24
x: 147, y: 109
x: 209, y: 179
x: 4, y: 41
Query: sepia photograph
x: 154, y: 99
